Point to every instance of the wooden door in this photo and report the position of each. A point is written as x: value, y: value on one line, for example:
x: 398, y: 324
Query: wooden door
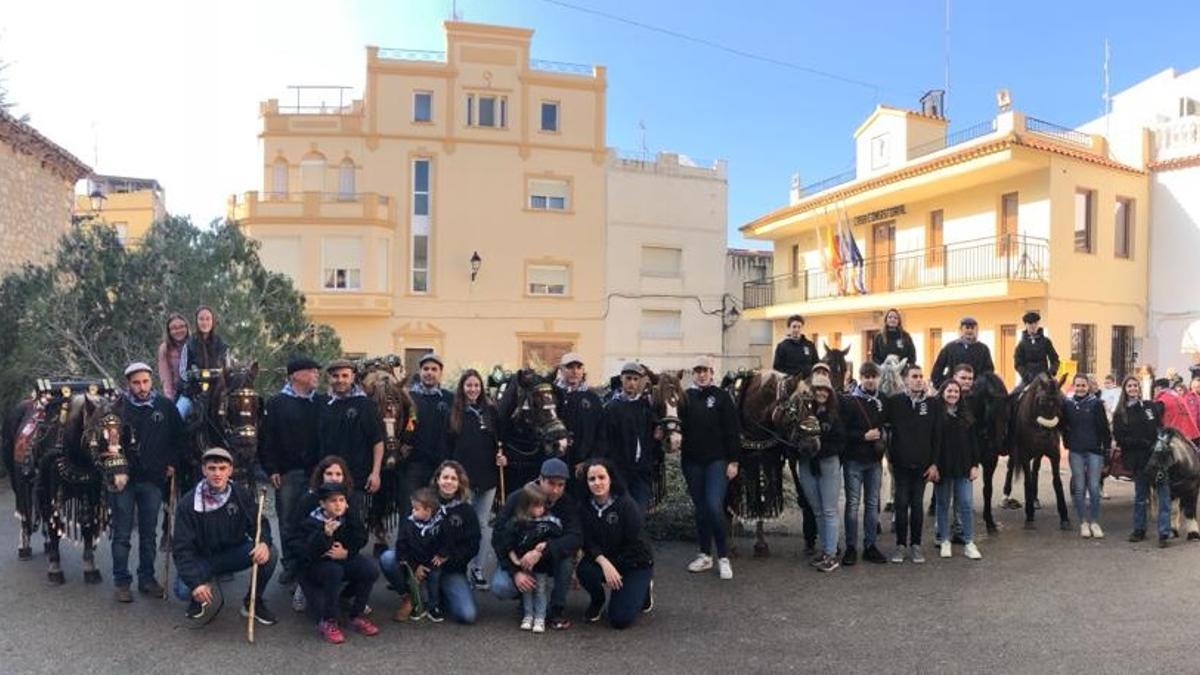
x: 1003, y: 358
x: 883, y: 245
x: 543, y: 355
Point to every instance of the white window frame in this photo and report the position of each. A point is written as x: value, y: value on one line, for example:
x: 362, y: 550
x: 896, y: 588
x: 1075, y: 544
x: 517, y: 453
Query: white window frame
x: 650, y: 335
x: 547, y: 292
x: 416, y: 95
x: 662, y: 274
x: 547, y: 202
x: 420, y: 227
x: 346, y: 180
x: 499, y: 111
x: 279, y: 179
x: 351, y: 277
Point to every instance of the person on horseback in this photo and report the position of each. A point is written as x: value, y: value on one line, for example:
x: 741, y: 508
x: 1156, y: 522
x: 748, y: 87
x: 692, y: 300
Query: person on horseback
x: 1087, y: 437
x: 204, y: 350
x: 862, y: 466
x: 795, y: 354
x: 916, y: 425
x: 291, y: 446
x: 966, y: 349
x: 631, y: 430
x: 1035, y: 353
x: 157, y: 438
x: 582, y: 411
x: 169, y: 351
x: 708, y: 458
x: 348, y: 426
x: 433, y: 415
x: 892, y: 339
x: 1136, y: 424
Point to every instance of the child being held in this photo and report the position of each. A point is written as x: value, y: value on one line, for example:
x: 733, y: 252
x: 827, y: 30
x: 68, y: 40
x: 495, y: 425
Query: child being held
x: 531, y: 527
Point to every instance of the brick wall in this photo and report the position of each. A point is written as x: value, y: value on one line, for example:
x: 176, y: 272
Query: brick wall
x: 35, y: 208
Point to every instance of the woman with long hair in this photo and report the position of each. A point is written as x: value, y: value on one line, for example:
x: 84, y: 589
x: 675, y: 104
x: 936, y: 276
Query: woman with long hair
x: 1136, y: 423
x: 472, y: 443
x: 203, y: 350
x: 175, y: 337
x: 892, y: 339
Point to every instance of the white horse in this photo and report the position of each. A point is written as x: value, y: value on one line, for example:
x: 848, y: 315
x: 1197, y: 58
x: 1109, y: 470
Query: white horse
x: 890, y: 384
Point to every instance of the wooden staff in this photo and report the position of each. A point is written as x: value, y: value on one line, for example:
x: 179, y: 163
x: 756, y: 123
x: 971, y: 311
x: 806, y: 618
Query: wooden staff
x: 168, y: 532
x: 262, y: 495
x: 503, y: 492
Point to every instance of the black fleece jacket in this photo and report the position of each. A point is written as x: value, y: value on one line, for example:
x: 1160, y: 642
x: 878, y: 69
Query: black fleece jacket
x: 795, y: 357
x: 582, y: 412
x: 459, y: 536
x: 959, y: 449
x: 615, y: 531
x: 159, y: 435
x: 1136, y: 430
x: 308, y: 542
x: 710, y: 426
x: 897, y: 342
x: 916, y: 430
x: 861, y: 412
x: 629, y: 432
x: 565, y: 508
x: 198, y: 536
x: 290, y: 440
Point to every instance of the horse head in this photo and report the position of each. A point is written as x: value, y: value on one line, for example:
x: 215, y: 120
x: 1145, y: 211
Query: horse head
x: 796, y: 418
x: 836, y: 360
x: 382, y: 380
x: 666, y: 395
x: 890, y: 380
x: 102, y: 440
x: 539, y: 407
x: 1042, y: 402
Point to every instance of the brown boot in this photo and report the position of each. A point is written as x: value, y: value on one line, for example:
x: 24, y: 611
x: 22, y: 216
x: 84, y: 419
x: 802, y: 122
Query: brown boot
x: 404, y: 611
x: 122, y: 594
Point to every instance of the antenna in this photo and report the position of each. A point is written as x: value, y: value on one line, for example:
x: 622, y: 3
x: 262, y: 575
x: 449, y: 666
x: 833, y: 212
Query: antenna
x: 454, y: 15
x: 645, y: 149
x: 95, y: 148
x: 1107, y: 97
x: 946, y: 84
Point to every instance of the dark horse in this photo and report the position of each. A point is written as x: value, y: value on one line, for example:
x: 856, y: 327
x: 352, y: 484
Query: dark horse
x: 777, y: 420
x: 530, y: 430
x: 1176, y: 458
x: 226, y: 412
x: 382, y: 379
x: 63, y: 449
x: 836, y: 360
x: 1035, y: 435
x: 991, y: 408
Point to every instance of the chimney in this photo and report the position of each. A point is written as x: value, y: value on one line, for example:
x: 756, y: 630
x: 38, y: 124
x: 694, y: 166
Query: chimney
x: 933, y: 103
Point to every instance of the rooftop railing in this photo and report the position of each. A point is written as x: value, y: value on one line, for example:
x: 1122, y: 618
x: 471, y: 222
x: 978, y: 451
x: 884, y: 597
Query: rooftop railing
x: 400, y: 54
x: 560, y: 67
x: 1058, y: 132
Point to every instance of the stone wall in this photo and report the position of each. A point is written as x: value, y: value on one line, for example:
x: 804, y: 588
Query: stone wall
x: 35, y: 208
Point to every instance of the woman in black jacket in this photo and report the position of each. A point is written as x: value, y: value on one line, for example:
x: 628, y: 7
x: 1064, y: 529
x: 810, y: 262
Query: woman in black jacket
x: 892, y: 339
x: 1136, y: 424
x: 958, y: 467
x: 459, y: 537
x: 472, y: 442
x: 203, y: 350
x: 616, y: 552
x: 821, y: 477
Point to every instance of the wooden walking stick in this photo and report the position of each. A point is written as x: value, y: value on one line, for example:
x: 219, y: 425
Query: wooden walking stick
x: 262, y: 495
x: 503, y: 492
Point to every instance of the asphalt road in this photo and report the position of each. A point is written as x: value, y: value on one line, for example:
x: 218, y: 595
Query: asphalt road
x: 1044, y: 601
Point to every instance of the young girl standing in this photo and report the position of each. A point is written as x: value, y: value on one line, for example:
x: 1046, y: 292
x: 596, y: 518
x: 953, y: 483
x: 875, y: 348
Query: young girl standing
x: 957, y: 467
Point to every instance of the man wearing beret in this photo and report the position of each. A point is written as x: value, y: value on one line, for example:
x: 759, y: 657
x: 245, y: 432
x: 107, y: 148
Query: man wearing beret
x: 433, y: 421
x: 291, y: 447
x: 966, y: 349
x: 349, y: 427
x: 1035, y: 353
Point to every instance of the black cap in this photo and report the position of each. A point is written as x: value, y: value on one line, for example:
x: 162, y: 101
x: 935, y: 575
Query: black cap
x: 329, y: 489
x: 301, y: 363
x: 1031, y: 317
x: 968, y: 321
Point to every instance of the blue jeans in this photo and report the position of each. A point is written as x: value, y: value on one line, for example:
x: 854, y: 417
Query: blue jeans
x: 862, y: 481
x: 624, y: 604
x: 228, y: 561
x: 485, y: 560
x: 458, y: 599
x: 502, y: 585
x: 1141, y: 488
x: 292, y: 486
x: 960, y: 489
x: 706, y: 484
x: 822, y: 493
x: 147, y: 498
x: 1085, y: 481
x: 534, y: 602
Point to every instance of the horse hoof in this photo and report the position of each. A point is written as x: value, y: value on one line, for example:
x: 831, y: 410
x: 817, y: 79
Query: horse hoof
x: 91, y: 576
x: 1064, y: 525
x: 56, y: 578
x: 1193, y: 536
x: 25, y: 553
x: 1030, y: 525
x: 762, y: 550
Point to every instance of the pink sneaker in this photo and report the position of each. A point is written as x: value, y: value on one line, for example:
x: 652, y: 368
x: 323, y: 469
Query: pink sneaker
x: 330, y: 631
x: 364, y: 626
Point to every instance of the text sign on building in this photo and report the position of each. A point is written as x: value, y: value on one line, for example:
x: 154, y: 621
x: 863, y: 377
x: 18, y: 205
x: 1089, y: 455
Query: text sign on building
x: 881, y: 214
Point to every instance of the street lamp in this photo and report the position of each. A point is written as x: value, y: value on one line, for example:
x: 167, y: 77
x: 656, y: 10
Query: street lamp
x: 476, y: 263
x: 97, y: 198
x: 96, y: 202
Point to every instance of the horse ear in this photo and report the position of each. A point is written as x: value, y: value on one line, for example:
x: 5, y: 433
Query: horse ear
x: 1062, y: 379
x: 903, y: 362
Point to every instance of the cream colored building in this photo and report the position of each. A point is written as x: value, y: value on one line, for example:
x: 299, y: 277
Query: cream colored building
x: 666, y: 220
x: 130, y: 205
x: 37, y: 184
x: 1007, y: 215
x: 748, y: 342
x: 381, y: 209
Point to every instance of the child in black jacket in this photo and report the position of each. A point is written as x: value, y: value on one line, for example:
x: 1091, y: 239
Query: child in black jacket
x: 417, y: 549
x: 532, y: 526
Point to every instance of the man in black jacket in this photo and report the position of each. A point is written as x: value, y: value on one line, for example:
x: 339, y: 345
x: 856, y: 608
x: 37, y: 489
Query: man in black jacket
x: 862, y: 466
x: 582, y: 412
x: 916, y: 434
x: 1035, y: 353
x: 630, y: 430
x: 349, y: 427
x: 291, y: 446
x: 795, y: 354
x: 966, y: 349
x: 433, y: 420
x: 510, y: 580
x: 156, y: 438
x: 214, y: 536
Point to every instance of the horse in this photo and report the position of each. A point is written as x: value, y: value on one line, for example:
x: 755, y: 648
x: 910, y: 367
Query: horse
x: 65, y: 446
x: 226, y: 413
x: 382, y: 380
x: 777, y: 418
x: 989, y: 400
x: 1035, y: 415
x: 665, y: 392
x: 890, y: 383
x: 530, y: 429
x: 836, y: 360
x: 1177, y: 459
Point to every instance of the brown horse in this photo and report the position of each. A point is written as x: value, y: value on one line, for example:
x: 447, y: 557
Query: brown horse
x: 64, y: 449
x: 226, y: 412
x: 382, y: 379
x: 836, y: 360
x: 1035, y: 434
x: 665, y: 392
x: 530, y: 429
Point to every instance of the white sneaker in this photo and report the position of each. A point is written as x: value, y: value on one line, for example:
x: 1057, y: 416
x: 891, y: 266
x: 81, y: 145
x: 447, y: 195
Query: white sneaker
x: 725, y: 569
x: 299, y: 602
x: 539, y: 625
x: 1097, y: 533
x: 702, y: 563
x: 946, y: 553
x: 972, y: 551
x: 527, y: 623
x: 1085, y: 531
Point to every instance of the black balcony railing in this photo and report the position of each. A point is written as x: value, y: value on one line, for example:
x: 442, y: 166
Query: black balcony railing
x: 1015, y: 257
x: 1059, y: 132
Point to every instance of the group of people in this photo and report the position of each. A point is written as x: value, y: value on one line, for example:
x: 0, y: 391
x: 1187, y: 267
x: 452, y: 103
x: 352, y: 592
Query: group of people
x: 581, y: 516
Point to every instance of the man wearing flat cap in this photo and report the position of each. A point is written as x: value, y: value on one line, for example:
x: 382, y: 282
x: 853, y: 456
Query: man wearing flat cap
x: 349, y: 427
x: 966, y: 349
x: 629, y: 433
x: 433, y: 404
x: 291, y: 446
x: 582, y: 412
x: 1035, y: 353
x: 156, y: 439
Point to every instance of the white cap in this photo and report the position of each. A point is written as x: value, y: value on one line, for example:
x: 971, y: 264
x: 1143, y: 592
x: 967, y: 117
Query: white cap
x: 569, y: 358
x: 137, y: 367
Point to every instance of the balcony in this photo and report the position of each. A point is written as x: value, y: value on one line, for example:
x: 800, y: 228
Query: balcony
x: 290, y: 208
x: 1177, y: 139
x: 993, y: 262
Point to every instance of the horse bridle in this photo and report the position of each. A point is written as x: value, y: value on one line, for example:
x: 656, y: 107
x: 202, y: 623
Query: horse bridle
x: 245, y: 424
x: 104, y: 444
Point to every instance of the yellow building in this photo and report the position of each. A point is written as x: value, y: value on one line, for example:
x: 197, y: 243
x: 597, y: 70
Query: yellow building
x: 458, y: 206
x: 129, y: 205
x: 1005, y: 216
